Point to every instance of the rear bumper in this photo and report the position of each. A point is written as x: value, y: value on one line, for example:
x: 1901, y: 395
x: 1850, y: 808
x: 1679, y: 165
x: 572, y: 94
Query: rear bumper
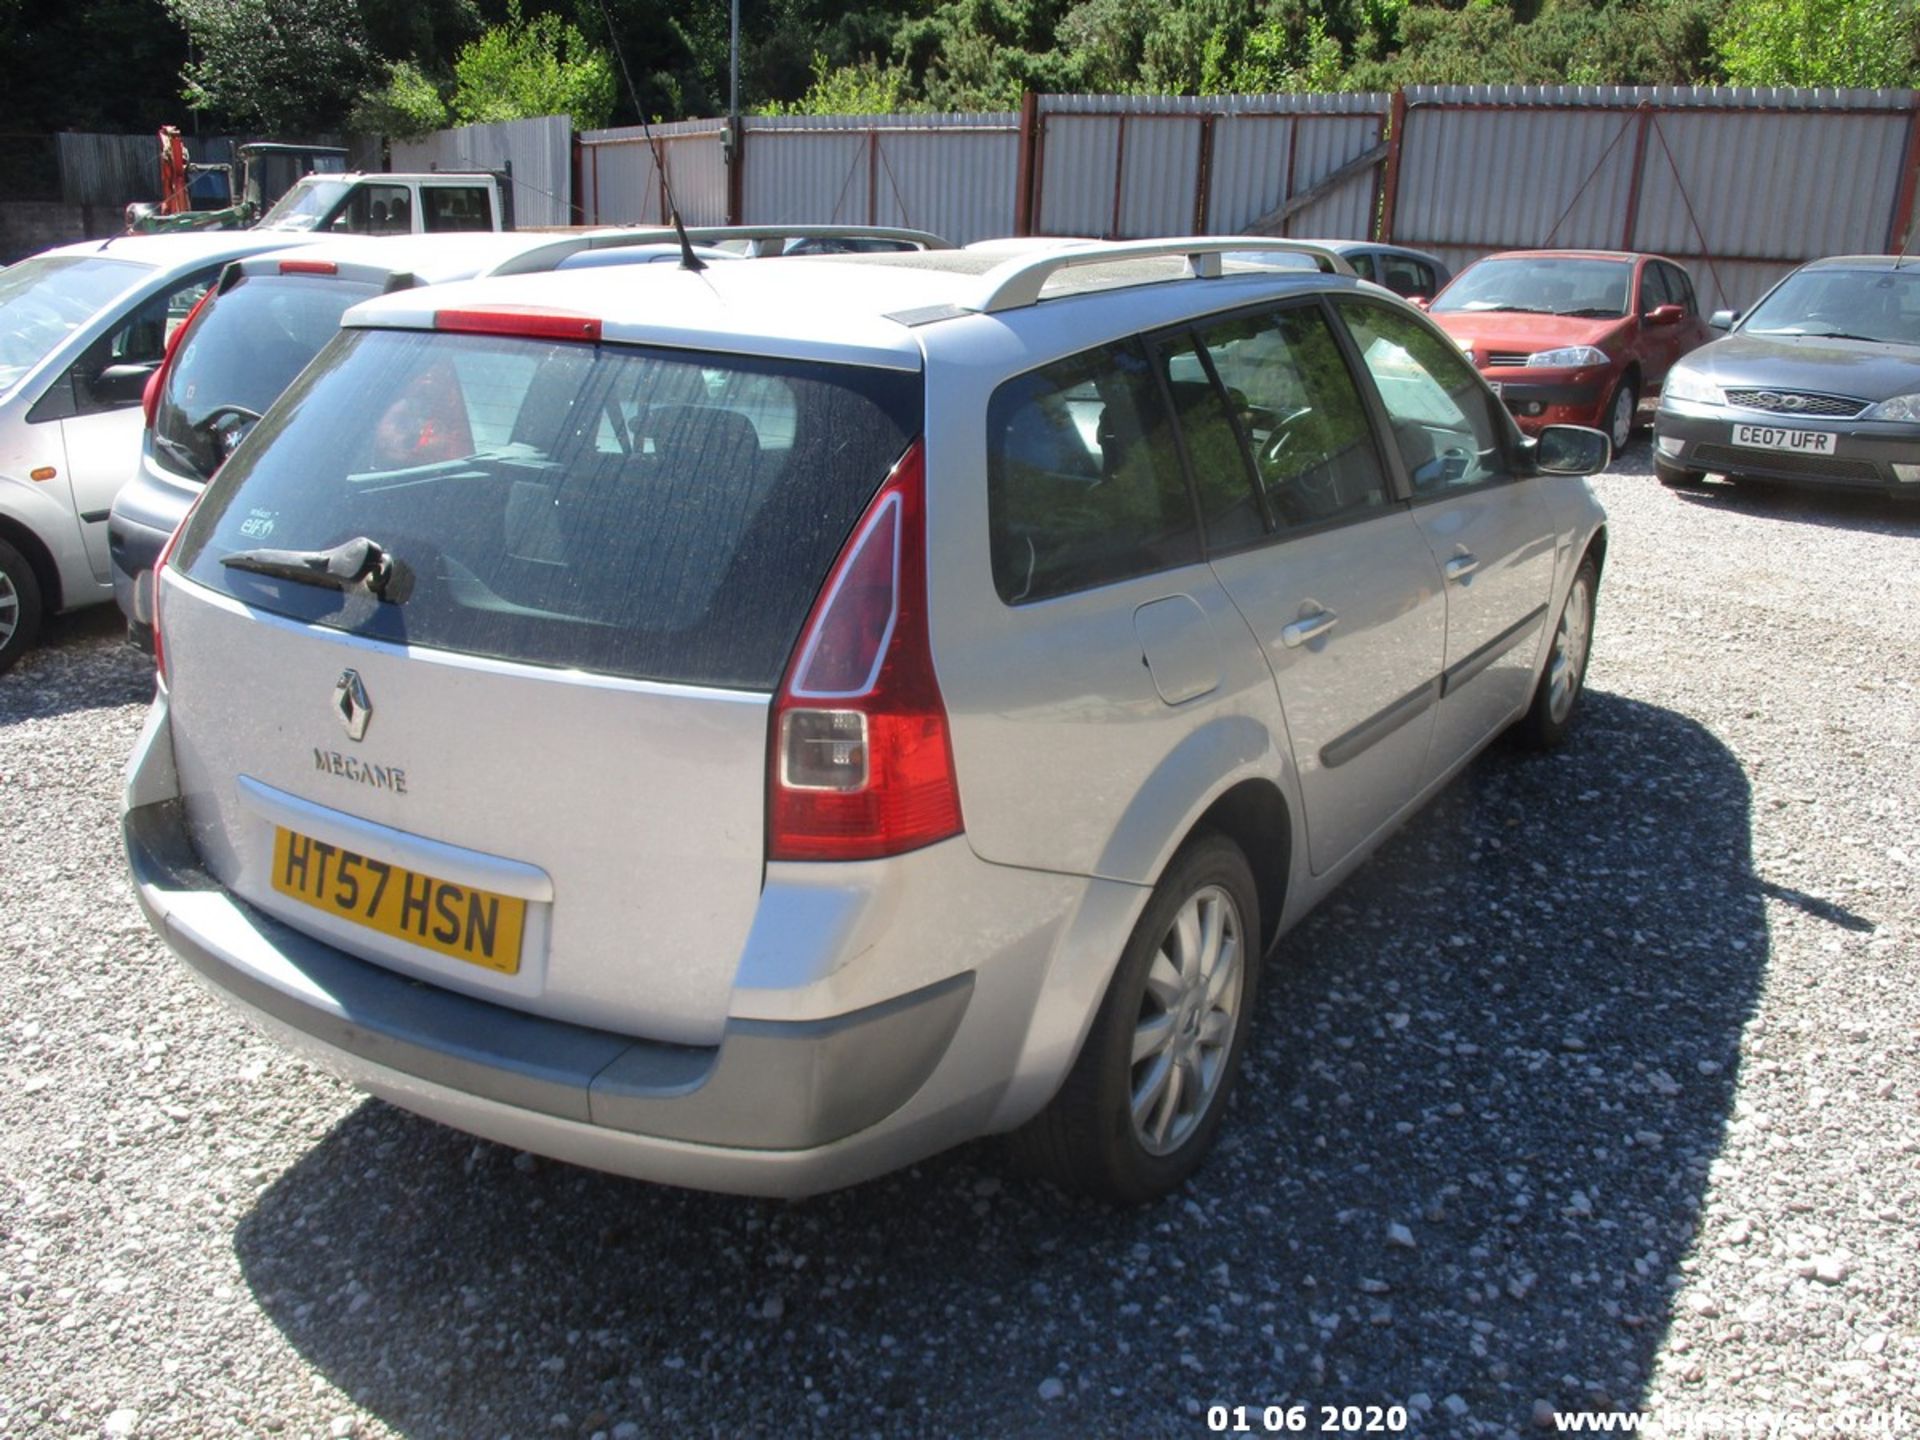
x: 743, y: 1113
x: 1700, y: 437
x: 848, y: 1052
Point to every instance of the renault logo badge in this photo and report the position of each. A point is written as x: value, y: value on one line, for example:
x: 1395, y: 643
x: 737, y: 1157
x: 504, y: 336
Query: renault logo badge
x: 350, y: 701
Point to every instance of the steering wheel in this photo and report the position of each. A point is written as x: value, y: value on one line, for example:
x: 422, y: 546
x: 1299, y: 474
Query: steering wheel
x: 1311, y: 486
x: 226, y: 426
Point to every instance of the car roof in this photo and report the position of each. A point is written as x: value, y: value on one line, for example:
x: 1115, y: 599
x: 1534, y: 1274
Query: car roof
x: 1864, y: 262
x: 182, y: 251
x: 850, y: 308
x: 1573, y: 255
x: 432, y: 259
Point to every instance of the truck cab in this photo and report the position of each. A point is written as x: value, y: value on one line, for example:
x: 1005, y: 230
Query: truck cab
x: 384, y: 204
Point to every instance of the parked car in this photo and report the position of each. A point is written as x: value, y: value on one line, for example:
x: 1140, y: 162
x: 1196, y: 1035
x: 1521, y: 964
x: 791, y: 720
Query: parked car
x: 384, y: 203
x: 1573, y: 337
x: 82, y: 328
x: 271, y: 314
x: 1414, y: 274
x: 755, y: 729
x: 1818, y: 384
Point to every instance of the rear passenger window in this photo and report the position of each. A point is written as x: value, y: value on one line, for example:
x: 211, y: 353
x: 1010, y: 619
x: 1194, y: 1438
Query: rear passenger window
x: 454, y: 207
x: 1442, y: 416
x: 1301, y: 413
x: 1084, y: 486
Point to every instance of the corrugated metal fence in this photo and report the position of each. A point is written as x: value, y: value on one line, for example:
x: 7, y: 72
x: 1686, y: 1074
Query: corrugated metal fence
x: 538, y: 154
x: 1739, y: 185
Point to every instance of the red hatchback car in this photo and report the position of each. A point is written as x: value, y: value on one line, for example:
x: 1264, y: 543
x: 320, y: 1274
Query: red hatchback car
x: 1573, y: 337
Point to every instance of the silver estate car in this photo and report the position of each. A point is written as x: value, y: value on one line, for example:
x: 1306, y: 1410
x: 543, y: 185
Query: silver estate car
x: 754, y: 729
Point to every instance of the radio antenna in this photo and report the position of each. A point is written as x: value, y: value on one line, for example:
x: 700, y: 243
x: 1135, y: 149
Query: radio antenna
x: 688, y: 260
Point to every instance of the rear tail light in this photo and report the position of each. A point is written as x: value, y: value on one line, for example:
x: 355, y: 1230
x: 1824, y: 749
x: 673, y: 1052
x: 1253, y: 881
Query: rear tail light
x: 862, y: 761
x: 308, y: 267
x: 159, y: 569
x: 157, y: 381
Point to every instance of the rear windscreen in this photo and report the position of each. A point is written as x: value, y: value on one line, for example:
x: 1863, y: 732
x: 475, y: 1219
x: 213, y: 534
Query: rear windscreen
x: 659, y: 514
x: 243, y: 351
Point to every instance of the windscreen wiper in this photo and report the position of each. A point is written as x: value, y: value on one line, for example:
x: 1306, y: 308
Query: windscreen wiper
x: 353, y: 564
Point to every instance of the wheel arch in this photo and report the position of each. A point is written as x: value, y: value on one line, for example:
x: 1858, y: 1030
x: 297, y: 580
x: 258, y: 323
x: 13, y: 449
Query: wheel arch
x: 1254, y: 815
x: 34, y: 550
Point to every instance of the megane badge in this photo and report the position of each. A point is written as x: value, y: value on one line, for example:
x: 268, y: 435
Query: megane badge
x: 350, y: 700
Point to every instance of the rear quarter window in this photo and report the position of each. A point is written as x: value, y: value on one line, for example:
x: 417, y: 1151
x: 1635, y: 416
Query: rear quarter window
x: 665, y: 515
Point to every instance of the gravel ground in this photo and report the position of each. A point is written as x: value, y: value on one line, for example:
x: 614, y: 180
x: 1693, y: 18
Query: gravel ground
x: 1596, y: 1089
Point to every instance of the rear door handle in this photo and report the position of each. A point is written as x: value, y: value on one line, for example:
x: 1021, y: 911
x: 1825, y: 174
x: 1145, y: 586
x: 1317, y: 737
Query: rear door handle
x: 1461, y: 566
x: 1309, y: 627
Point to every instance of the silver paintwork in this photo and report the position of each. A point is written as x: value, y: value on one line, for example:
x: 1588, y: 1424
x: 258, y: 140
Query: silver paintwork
x: 1091, y: 732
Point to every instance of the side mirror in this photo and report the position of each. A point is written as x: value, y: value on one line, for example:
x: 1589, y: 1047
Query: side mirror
x: 1571, y: 450
x: 1723, y: 319
x: 1665, y: 315
x: 122, y: 384
x: 1423, y: 302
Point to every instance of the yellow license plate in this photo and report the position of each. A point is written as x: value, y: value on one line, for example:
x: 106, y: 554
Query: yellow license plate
x: 472, y: 925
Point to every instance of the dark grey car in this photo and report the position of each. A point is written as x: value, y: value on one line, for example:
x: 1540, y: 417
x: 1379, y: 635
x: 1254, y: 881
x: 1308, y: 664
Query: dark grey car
x: 1818, y: 384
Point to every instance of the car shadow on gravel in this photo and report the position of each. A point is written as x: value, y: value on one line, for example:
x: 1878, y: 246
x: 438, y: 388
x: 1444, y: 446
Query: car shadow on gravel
x: 81, y: 662
x: 1831, y: 509
x: 1465, y: 1167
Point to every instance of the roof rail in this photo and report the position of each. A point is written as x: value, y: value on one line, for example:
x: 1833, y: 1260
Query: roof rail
x: 713, y: 234
x: 1018, y: 282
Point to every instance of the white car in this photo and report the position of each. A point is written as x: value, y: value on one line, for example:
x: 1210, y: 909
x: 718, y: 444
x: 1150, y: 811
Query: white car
x: 82, y: 329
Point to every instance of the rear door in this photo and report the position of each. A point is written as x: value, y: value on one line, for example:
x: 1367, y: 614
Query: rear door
x: 1107, y: 643
x: 1320, y: 557
x: 531, y: 768
x: 1488, y: 529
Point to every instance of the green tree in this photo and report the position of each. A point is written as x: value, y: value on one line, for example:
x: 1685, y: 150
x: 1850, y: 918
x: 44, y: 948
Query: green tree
x: 1847, y: 43
x: 406, y: 107
x: 286, y: 66
x: 524, y: 68
x: 863, y: 88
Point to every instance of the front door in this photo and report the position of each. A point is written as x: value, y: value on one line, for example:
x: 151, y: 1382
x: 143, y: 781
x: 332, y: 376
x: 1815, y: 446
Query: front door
x: 1488, y: 530
x: 101, y: 427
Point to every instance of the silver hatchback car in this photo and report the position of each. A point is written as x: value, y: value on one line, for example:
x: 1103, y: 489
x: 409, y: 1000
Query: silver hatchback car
x: 753, y: 729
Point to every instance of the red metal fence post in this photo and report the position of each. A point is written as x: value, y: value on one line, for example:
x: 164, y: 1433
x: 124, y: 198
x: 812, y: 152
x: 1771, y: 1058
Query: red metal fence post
x: 1395, y: 139
x: 1900, y: 223
x: 1638, y: 175
x: 1026, y: 176
x: 1204, y: 181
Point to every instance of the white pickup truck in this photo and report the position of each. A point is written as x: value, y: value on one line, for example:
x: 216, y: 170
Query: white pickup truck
x: 377, y: 203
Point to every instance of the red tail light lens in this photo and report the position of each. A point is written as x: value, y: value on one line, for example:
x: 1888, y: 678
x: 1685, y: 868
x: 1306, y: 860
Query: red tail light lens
x: 159, y: 569
x: 862, y: 762
x: 519, y: 320
x: 157, y: 381
x: 308, y: 267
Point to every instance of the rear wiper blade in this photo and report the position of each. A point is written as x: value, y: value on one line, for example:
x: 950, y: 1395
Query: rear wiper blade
x: 357, y: 563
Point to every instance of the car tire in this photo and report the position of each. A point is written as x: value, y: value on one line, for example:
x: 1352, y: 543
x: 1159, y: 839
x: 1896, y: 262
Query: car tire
x: 1126, y: 1127
x: 1622, y: 412
x: 1556, y: 698
x: 19, y: 606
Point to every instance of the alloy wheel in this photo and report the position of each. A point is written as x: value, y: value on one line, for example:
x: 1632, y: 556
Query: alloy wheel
x: 9, y: 608
x: 1188, y: 1014
x: 1569, y: 659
